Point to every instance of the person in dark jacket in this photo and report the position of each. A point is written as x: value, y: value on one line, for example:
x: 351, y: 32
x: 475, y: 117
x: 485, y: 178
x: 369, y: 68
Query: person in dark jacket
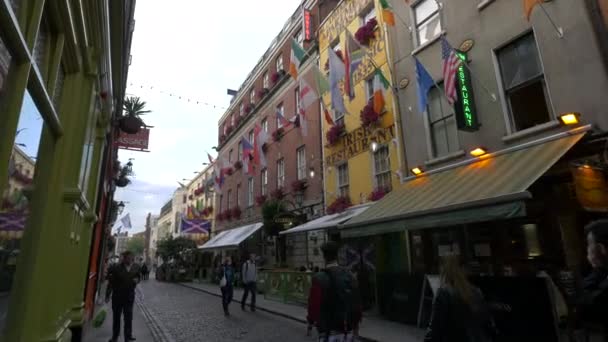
x: 144, y: 271
x: 226, y: 276
x: 593, y: 304
x: 122, y: 280
x: 459, y: 311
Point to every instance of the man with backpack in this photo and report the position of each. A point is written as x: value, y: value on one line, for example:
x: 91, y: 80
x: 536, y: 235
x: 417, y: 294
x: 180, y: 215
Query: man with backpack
x: 250, y: 276
x: 334, y: 304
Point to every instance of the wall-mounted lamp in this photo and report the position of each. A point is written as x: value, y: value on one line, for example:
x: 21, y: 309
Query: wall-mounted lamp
x: 570, y: 118
x: 417, y: 171
x: 311, y: 172
x: 478, y: 152
x: 374, y: 146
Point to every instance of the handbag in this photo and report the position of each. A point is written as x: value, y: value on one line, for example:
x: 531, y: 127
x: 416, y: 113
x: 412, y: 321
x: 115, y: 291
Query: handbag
x: 223, y: 281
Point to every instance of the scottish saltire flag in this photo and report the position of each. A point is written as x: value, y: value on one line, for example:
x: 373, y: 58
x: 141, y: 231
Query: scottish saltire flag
x: 12, y: 221
x: 248, y: 159
x: 451, y: 63
x: 126, y: 221
x: 336, y: 74
x: 195, y: 226
x: 425, y: 83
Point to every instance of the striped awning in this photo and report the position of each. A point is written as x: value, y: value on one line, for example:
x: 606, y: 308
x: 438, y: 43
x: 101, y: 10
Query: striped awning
x: 494, y: 186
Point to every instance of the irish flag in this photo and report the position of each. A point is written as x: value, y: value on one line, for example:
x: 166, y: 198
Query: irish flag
x: 297, y: 55
x: 387, y: 12
x: 380, y: 86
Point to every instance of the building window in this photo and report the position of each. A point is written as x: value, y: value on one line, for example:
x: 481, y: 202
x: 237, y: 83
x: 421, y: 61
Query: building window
x: 300, y: 37
x: 428, y: 21
x: 265, y: 125
x: 301, y: 162
x: 238, y: 195
x: 343, y: 189
x: 280, y: 114
x: 232, y: 120
x: 250, y: 192
x: 240, y: 152
x: 230, y: 156
x: 368, y: 15
x: 229, y: 200
x: 524, y: 83
x: 297, y: 96
x: 251, y: 137
x: 264, y: 182
x: 279, y: 63
x: 266, y: 81
x: 369, y: 88
x: 280, y: 173
x: 242, y: 109
x: 382, y: 168
x: 252, y: 96
x: 442, y: 124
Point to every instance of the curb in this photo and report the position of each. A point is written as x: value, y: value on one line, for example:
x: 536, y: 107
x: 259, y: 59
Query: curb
x: 273, y: 312
x: 159, y: 334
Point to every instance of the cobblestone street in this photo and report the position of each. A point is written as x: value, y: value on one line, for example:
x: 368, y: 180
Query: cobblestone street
x: 188, y: 316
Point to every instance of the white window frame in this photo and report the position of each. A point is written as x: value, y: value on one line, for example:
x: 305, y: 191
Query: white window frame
x: 432, y: 153
x: 301, y: 162
x: 266, y: 81
x: 381, y: 173
x: 250, y: 191
x: 242, y: 109
x: 280, y: 108
x: 230, y: 156
x: 342, y: 185
x: 251, y: 137
x: 279, y: 63
x: 240, y: 151
x: 264, y: 125
x: 418, y: 25
x: 252, y: 96
x: 297, y: 95
x: 300, y: 36
x: 264, y: 182
x: 281, y: 173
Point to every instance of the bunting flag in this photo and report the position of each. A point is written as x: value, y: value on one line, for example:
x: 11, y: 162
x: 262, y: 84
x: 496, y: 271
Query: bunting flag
x: 387, y: 12
x: 297, y: 55
x: 451, y: 63
x: 248, y: 160
x: 381, y: 84
x: 336, y: 74
x: 126, y: 221
x: 327, y: 115
x: 352, y: 60
x: 425, y: 83
x: 321, y: 81
x: 260, y: 138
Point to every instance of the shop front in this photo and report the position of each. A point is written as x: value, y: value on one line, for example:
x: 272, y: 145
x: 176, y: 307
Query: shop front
x: 510, y: 217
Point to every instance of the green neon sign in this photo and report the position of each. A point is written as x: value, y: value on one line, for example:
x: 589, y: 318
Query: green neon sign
x: 466, y: 114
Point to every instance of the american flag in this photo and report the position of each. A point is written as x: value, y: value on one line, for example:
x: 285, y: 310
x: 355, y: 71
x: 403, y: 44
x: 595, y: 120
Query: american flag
x: 451, y: 63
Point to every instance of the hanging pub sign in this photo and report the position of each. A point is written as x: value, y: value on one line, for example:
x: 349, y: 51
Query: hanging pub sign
x: 307, y: 23
x: 466, y: 114
x: 134, y: 142
x: 591, y: 186
x: 288, y: 220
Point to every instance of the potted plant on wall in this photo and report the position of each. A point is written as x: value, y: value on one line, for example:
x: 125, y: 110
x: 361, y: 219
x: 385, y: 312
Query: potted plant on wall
x: 278, y: 194
x: 277, y: 135
x: 122, y: 178
x: 238, y: 165
x: 339, y: 205
x: 260, y: 200
x: 369, y: 117
x: 299, y: 185
x: 133, y: 109
x: 335, y: 132
x: 378, y: 194
x: 367, y: 32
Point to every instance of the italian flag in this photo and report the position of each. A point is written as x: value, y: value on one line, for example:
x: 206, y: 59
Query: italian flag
x: 380, y: 86
x: 297, y: 55
x: 387, y: 12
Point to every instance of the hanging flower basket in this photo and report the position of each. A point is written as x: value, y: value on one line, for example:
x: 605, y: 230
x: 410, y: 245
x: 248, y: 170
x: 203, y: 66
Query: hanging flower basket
x: 122, y: 182
x: 368, y: 116
x: 334, y: 134
x: 377, y: 194
x: 236, y: 213
x: 263, y: 93
x: 238, y: 165
x: 367, y: 32
x: 248, y: 108
x: 339, y: 53
x: 260, y: 200
x: 278, y: 194
x: 275, y: 78
x: 277, y: 135
x: 299, y: 185
x: 130, y: 124
x: 339, y: 205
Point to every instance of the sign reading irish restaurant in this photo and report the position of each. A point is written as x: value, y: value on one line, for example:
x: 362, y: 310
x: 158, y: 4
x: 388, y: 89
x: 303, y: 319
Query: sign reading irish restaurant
x: 359, y: 141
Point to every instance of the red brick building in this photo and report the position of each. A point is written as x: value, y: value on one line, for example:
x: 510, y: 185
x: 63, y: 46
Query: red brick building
x: 294, y: 158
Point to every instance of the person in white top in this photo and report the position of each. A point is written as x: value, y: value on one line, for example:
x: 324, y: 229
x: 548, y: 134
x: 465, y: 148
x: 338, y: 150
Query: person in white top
x: 249, y: 274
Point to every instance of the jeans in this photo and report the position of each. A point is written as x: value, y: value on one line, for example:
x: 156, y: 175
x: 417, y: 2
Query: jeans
x: 125, y: 308
x: 227, y: 292
x: 249, y: 287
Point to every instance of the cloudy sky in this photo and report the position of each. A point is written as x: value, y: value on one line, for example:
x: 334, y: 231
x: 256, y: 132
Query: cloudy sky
x: 194, y: 49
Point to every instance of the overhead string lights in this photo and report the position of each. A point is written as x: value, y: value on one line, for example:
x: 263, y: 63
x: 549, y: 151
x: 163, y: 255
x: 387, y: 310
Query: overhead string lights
x: 188, y: 99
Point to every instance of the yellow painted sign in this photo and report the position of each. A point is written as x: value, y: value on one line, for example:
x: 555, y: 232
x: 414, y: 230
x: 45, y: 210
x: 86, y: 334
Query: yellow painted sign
x: 340, y: 18
x: 358, y: 141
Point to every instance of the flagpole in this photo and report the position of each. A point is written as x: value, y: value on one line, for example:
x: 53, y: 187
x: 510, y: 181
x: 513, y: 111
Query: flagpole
x: 559, y: 30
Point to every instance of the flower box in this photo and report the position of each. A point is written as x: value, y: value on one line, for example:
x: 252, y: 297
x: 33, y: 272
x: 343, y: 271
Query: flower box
x: 377, y: 194
x: 236, y: 213
x: 220, y: 217
x: 228, y: 214
x: 263, y: 93
x: 277, y: 135
x: 248, y: 108
x: 334, y: 134
x: 238, y: 165
x: 368, y: 116
x: 339, y: 205
x: 367, y: 32
x: 260, y: 200
x: 299, y: 185
x: 278, y: 194
x: 275, y: 78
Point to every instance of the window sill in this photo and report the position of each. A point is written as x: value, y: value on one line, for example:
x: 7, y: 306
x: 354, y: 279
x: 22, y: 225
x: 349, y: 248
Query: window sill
x: 443, y: 159
x: 531, y: 131
x: 427, y: 44
x: 484, y: 4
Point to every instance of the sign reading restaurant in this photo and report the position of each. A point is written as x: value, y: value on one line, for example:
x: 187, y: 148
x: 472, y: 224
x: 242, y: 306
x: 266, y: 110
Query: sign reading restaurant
x: 359, y: 141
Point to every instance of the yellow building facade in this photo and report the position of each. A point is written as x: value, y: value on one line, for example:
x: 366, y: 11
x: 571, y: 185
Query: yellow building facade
x: 365, y: 160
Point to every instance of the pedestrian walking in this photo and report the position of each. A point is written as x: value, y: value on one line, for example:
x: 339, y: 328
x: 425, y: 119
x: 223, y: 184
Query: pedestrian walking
x: 144, y: 271
x: 226, y: 276
x: 334, y: 304
x: 460, y: 313
x: 249, y: 274
x: 122, y: 281
x: 593, y: 303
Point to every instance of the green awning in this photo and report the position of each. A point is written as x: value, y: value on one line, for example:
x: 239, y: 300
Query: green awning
x: 491, y: 188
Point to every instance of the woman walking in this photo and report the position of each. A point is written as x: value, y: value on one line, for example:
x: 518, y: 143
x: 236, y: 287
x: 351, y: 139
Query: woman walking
x: 226, y: 276
x: 459, y: 311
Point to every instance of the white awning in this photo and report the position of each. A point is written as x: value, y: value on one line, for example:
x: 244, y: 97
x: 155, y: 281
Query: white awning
x: 231, y: 238
x: 328, y: 221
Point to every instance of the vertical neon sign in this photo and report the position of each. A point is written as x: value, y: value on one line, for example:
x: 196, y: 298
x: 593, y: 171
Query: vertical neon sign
x: 307, y: 25
x: 466, y: 114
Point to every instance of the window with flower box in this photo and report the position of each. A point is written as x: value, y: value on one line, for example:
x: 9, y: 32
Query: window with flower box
x: 266, y: 81
x: 301, y: 162
x: 279, y: 63
x: 240, y: 157
x: 382, y: 168
x: 280, y: 173
x: 280, y: 114
x: 264, y: 182
x: 343, y: 180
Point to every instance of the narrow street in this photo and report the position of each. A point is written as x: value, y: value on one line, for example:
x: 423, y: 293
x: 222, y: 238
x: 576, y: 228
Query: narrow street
x: 188, y: 316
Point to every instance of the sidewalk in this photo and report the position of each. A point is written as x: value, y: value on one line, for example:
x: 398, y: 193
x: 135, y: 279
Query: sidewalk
x: 372, y: 328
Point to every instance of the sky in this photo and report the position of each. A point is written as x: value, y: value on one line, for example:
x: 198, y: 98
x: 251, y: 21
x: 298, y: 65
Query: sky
x: 193, y: 49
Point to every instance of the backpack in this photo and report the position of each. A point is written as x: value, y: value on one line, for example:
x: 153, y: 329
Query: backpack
x: 338, y: 308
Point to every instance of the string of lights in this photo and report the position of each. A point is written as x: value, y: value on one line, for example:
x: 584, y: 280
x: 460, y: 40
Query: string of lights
x: 177, y: 96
